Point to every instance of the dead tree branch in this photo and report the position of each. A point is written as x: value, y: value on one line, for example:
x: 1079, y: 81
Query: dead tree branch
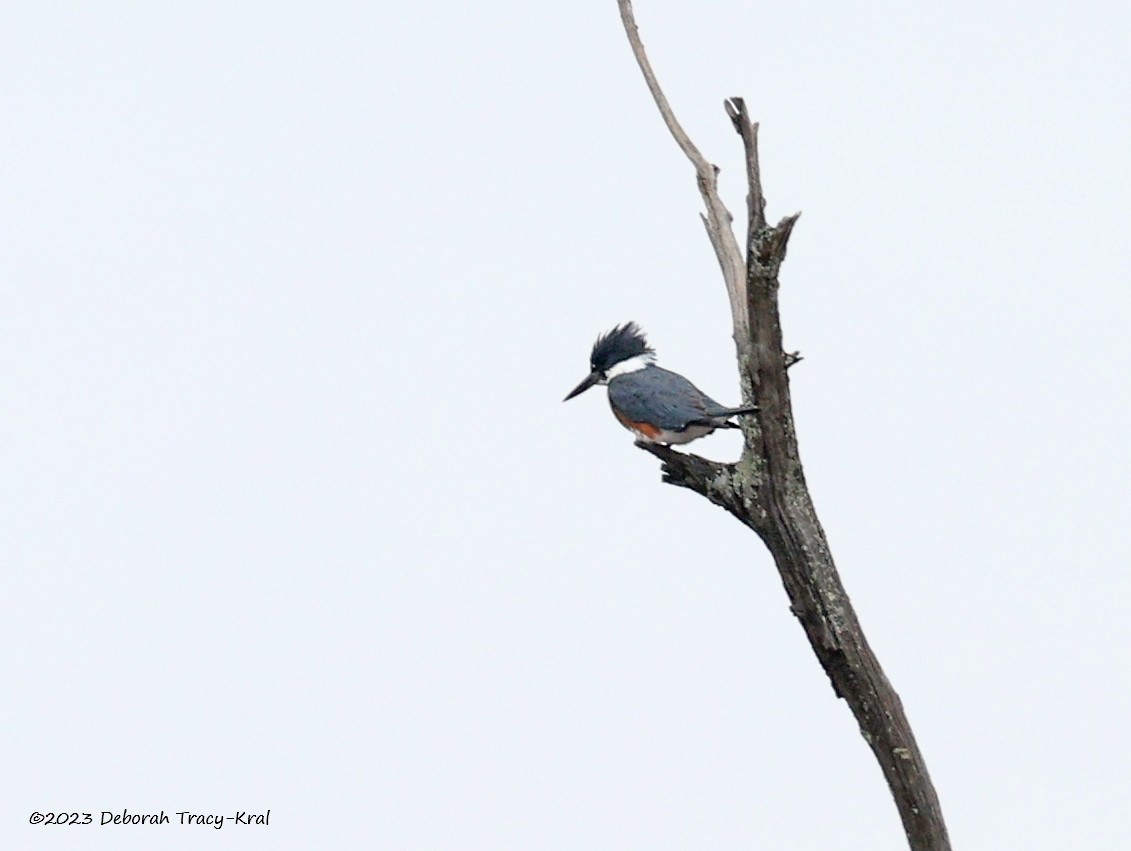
x: 766, y: 489
x: 717, y: 219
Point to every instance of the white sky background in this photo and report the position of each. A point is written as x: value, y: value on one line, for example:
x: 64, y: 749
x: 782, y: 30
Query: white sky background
x: 293, y: 516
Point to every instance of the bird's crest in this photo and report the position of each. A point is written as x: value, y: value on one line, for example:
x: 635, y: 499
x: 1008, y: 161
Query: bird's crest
x: 623, y: 342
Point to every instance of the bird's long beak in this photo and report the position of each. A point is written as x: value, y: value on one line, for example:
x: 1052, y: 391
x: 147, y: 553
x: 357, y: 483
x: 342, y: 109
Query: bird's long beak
x: 591, y: 379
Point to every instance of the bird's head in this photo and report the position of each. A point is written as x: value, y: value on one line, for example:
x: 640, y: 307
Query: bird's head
x: 621, y: 350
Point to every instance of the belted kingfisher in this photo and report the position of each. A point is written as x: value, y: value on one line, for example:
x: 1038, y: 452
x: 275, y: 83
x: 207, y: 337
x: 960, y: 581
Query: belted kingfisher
x: 656, y: 405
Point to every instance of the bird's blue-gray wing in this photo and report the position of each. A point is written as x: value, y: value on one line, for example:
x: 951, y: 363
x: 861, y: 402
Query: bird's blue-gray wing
x: 661, y: 398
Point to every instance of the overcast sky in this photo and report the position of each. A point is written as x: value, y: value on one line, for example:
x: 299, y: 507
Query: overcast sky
x: 294, y: 517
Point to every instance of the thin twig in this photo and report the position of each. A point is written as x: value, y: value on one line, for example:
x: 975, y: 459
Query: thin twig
x: 718, y: 218
x: 755, y: 199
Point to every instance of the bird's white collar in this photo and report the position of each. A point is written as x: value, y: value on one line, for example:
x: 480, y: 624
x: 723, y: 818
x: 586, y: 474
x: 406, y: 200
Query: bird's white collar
x: 633, y: 364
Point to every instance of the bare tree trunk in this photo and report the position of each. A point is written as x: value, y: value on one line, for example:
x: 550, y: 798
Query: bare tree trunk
x: 766, y: 489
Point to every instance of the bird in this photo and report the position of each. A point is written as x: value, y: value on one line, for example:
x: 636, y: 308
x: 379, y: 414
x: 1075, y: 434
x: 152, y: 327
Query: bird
x: 655, y: 404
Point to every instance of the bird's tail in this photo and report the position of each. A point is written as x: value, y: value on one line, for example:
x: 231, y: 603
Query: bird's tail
x: 733, y: 412
x: 720, y: 417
